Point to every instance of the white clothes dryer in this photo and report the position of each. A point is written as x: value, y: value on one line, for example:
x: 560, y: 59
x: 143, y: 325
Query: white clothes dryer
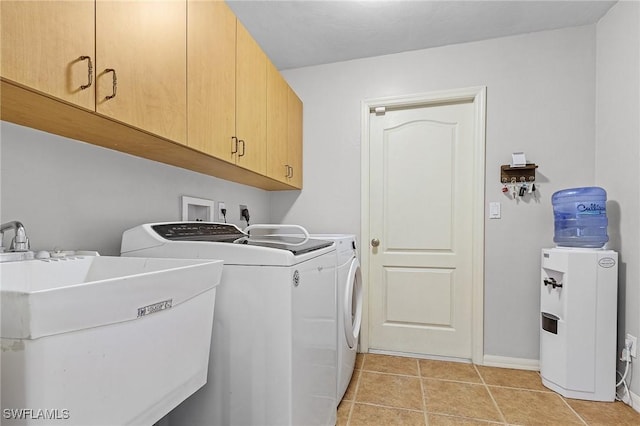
x: 273, y: 354
x: 349, y: 310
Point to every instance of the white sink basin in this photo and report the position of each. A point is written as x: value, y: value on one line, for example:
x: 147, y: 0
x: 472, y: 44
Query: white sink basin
x: 104, y: 340
x: 45, y: 297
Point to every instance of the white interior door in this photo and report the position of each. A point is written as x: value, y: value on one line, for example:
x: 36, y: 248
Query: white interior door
x: 421, y: 226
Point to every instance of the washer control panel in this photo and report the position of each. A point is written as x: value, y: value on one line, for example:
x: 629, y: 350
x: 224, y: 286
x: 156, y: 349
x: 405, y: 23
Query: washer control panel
x: 199, y: 231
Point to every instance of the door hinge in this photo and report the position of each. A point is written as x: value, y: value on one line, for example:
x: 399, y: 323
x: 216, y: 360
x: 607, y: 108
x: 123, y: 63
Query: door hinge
x: 380, y: 110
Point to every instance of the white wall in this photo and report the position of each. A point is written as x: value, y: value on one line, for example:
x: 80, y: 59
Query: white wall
x: 541, y: 91
x: 540, y: 99
x: 618, y: 152
x: 73, y: 195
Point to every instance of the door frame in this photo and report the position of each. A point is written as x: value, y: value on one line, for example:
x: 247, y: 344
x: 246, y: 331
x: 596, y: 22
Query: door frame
x: 477, y: 96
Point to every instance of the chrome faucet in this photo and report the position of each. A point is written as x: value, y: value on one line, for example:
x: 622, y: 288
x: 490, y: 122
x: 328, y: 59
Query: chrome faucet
x: 20, y: 241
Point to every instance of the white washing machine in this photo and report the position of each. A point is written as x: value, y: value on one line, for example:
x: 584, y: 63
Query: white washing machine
x: 349, y: 310
x: 273, y: 354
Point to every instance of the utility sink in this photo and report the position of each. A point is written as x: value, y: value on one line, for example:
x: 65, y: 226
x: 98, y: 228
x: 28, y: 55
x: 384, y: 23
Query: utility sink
x: 46, y: 297
x: 103, y: 340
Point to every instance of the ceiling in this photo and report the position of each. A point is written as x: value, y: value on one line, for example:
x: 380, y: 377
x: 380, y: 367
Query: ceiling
x: 299, y: 33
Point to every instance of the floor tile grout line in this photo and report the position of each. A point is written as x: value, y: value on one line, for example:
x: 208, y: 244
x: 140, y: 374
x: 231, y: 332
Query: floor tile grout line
x: 486, y: 387
x: 522, y: 389
x: 424, y: 396
x: 457, y: 416
x: 502, y: 419
x: 355, y: 395
x: 490, y: 388
x: 534, y: 391
x: 572, y: 410
x: 392, y: 374
x: 391, y: 407
x: 452, y: 381
x: 422, y: 377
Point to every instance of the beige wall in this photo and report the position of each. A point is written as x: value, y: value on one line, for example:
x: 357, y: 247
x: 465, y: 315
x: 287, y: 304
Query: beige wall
x: 73, y: 195
x: 618, y: 152
x: 540, y: 100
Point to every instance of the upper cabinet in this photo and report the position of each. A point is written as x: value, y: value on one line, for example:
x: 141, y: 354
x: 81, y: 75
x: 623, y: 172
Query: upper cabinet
x: 294, y: 122
x: 251, y: 102
x: 176, y: 81
x: 277, y: 98
x: 124, y: 60
x: 211, y: 67
x: 227, y: 87
x: 141, y: 65
x: 49, y: 46
x: 284, y: 130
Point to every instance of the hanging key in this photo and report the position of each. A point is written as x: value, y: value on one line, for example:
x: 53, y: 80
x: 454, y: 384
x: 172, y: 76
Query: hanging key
x: 523, y: 190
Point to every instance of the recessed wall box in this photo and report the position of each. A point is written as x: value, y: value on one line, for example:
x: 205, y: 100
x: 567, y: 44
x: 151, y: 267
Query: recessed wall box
x: 197, y: 209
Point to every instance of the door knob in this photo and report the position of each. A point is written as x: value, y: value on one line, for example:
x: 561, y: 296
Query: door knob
x: 375, y: 242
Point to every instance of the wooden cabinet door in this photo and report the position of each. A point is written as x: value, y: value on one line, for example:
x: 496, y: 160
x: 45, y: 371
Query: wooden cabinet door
x: 295, y: 138
x: 42, y: 46
x: 277, y: 127
x: 211, y: 78
x: 251, y: 102
x: 144, y: 43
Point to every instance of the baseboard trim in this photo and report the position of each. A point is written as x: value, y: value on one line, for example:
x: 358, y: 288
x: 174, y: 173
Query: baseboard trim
x: 421, y: 356
x: 508, y: 362
x: 634, y: 402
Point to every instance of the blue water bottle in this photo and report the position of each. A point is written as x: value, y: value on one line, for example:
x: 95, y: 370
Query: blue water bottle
x: 580, y: 217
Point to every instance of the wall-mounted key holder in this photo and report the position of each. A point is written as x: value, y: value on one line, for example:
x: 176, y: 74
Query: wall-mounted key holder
x: 510, y: 174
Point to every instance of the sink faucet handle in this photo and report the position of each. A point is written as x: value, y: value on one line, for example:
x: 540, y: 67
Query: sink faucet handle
x: 20, y: 241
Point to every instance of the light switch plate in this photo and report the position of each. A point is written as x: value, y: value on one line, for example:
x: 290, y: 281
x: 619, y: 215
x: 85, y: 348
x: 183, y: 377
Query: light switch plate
x: 494, y: 210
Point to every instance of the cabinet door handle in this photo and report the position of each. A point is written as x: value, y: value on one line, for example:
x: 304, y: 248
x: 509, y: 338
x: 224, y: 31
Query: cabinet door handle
x: 90, y: 72
x: 234, y: 147
x: 115, y: 83
x: 290, y: 172
x: 242, y: 142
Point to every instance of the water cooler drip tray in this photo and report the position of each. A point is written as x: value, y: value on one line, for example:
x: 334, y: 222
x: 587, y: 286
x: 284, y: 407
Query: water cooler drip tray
x: 550, y: 322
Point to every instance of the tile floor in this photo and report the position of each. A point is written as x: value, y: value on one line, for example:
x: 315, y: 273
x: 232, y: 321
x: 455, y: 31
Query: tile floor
x: 389, y: 390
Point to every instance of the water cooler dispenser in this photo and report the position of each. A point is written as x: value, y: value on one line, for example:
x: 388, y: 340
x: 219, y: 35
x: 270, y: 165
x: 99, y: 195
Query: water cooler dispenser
x: 578, y: 299
x: 578, y: 303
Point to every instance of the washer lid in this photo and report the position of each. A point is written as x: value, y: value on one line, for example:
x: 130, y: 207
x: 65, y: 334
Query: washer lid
x: 345, y: 245
x: 228, y: 233
x: 286, y: 244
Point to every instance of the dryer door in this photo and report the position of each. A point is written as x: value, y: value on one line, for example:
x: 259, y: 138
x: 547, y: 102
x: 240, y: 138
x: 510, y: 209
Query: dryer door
x: 352, y: 308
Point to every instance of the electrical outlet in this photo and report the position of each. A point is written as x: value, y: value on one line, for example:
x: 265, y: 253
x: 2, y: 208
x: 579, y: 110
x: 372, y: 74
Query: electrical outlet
x: 222, y: 211
x: 634, y: 342
x: 244, y: 213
